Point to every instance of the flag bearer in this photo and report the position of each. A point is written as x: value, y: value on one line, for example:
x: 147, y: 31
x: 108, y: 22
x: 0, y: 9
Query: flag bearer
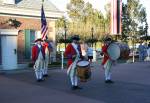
x: 47, y: 48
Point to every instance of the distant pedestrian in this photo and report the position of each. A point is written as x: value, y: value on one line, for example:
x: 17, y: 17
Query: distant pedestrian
x: 52, y: 51
x: 145, y: 50
x: 148, y: 52
x: 90, y: 53
x: 141, y: 50
x: 84, y: 48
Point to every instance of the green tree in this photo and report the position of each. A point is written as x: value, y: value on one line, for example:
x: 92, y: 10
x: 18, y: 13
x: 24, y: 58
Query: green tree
x: 60, y: 28
x: 126, y: 21
x: 107, y: 18
x: 134, y: 19
x: 143, y: 21
x: 75, y: 8
x: 134, y: 11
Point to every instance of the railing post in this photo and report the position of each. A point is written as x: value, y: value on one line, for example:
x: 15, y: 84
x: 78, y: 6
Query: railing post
x: 62, y: 60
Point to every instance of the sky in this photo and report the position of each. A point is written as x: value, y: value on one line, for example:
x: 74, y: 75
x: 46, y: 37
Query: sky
x: 99, y: 4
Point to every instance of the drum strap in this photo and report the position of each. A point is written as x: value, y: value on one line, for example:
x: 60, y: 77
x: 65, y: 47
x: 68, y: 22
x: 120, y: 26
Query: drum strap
x: 71, y: 69
x: 75, y: 46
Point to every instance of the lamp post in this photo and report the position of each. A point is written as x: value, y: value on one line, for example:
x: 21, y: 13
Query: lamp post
x: 133, y: 53
x: 146, y: 28
x: 104, y: 28
x: 65, y: 31
x: 92, y: 30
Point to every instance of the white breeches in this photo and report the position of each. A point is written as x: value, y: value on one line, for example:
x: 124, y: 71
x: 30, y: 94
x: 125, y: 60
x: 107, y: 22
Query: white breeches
x: 73, y: 76
x: 38, y: 67
x: 72, y: 73
x: 45, y: 67
x: 107, y: 67
x: 74, y: 80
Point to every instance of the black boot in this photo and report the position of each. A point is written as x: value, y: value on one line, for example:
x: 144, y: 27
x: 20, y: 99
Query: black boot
x: 73, y: 88
x: 77, y: 87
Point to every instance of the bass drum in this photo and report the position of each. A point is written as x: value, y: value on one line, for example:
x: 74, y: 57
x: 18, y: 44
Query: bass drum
x: 124, y: 50
x: 83, y: 70
x: 118, y: 50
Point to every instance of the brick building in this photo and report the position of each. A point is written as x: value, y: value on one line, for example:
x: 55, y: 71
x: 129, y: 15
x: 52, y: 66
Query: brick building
x: 20, y: 24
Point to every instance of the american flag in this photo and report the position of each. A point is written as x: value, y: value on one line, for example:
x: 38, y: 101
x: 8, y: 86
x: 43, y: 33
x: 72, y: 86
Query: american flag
x: 44, y: 28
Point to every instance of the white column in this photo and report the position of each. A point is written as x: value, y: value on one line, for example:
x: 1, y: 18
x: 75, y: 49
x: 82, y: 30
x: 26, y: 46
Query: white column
x: 62, y: 60
x: 94, y: 55
x: 9, y: 48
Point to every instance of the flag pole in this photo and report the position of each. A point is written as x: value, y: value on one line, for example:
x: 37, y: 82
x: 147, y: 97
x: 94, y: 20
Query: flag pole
x: 42, y: 2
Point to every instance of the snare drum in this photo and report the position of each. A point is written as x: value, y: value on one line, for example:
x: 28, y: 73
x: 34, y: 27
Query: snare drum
x: 83, y: 70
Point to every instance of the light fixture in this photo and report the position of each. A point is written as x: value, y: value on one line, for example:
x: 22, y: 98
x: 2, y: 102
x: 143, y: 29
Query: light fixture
x: 11, y: 22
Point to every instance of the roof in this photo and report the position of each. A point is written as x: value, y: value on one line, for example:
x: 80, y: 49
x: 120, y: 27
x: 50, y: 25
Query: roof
x: 32, y: 4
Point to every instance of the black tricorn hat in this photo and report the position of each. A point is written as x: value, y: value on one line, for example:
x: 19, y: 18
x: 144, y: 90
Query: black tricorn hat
x: 75, y: 37
x: 108, y: 39
x: 39, y: 39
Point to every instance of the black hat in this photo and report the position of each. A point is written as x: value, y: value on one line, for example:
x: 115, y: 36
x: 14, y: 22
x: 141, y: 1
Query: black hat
x: 75, y: 37
x: 107, y: 39
x: 39, y: 39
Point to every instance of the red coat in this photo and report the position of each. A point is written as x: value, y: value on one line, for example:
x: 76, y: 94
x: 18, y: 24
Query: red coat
x: 47, y: 45
x: 70, y: 52
x: 35, y: 52
x: 104, y: 50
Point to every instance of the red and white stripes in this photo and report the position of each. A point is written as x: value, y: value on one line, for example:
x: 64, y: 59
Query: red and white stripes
x: 44, y: 31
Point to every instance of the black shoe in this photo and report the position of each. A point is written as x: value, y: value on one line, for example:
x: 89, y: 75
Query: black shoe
x: 106, y: 81
x: 73, y: 88
x: 110, y: 81
x: 40, y: 80
x: 45, y: 75
x: 77, y: 87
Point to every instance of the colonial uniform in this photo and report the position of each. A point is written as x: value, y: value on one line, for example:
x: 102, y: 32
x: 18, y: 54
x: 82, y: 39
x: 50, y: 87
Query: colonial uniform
x: 38, y: 56
x: 47, y: 48
x: 107, y: 64
x: 73, y: 54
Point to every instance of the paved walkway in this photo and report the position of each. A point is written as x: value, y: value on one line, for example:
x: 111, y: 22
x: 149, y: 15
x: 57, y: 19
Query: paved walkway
x: 132, y: 85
